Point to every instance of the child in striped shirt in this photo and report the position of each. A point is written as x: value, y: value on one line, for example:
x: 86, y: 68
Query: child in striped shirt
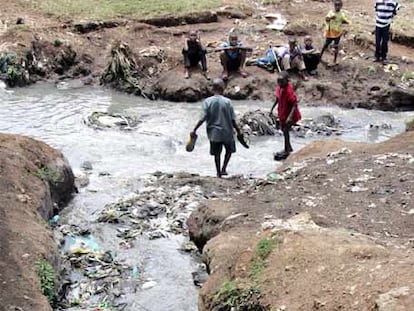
x: 385, y: 10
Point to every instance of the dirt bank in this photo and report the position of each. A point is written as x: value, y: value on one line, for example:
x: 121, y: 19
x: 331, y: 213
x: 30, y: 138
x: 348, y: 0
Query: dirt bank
x: 35, y: 181
x: 55, y: 48
x: 331, y: 230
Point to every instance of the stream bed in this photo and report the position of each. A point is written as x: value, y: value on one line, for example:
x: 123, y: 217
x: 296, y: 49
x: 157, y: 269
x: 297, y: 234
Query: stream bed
x: 123, y: 235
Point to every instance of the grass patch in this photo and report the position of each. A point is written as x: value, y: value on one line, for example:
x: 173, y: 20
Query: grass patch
x: 107, y: 9
x: 46, y: 274
x: 263, y: 249
x: 46, y: 174
x: 231, y: 296
x: 406, y: 76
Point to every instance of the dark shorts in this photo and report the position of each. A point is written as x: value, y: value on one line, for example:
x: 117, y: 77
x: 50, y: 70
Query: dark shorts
x: 334, y: 40
x: 217, y: 147
x: 233, y: 64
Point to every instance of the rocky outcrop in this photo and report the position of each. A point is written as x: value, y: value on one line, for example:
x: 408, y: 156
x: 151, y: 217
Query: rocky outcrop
x: 35, y: 182
x: 173, y: 87
x: 174, y: 20
x: 409, y: 126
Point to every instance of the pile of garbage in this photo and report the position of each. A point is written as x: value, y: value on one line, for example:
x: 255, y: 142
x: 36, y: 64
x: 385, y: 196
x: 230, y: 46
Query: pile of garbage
x: 97, y: 279
x: 129, y: 72
x: 259, y: 123
x: 323, y: 125
x: 154, y: 211
x: 93, y: 278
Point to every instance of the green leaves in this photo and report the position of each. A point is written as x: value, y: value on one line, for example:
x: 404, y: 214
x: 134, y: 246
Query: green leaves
x: 46, y: 274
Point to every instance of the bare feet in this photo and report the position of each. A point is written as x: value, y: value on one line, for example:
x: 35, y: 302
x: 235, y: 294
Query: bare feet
x: 304, y: 76
x: 243, y: 73
x: 205, y: 74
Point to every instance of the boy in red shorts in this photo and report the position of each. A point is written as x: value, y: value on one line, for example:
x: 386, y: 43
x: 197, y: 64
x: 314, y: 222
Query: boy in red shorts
x: 287, y: 111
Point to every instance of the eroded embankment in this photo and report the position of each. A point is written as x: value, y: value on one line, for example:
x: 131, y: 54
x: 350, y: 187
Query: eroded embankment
x: 143, y: 57
x: 35, y: 182
x: 332, y: 229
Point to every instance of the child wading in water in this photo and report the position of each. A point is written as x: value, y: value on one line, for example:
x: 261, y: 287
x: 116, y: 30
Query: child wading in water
x: 287, y: 110
x: 334, y: 21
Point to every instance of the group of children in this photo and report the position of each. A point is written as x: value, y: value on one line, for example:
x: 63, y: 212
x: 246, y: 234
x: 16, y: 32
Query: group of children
x: 303, y: 58
x: 217, y: 110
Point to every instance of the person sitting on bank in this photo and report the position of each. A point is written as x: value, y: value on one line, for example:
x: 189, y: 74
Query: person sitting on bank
x: 292, y: 58
x: 233, y: 57
x: 269, y: 62
x: 310, y: 55
x: 194, y: 53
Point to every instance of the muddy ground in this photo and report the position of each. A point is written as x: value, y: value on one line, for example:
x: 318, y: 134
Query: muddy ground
x: 34, y: 181
x: 63, y: 49
x: 341, y: 216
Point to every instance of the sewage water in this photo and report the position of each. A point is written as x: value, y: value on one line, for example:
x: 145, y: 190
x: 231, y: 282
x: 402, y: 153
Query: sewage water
x: 56, y: 117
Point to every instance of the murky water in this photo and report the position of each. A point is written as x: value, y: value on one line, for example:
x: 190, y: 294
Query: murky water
x: 56, y: 117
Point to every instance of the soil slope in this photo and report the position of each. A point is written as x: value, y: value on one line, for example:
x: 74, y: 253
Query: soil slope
x: 35, y: 180
x: 341, y: 218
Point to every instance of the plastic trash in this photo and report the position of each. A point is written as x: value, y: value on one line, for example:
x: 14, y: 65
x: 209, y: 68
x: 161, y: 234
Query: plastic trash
x: 274, y: 176
x: 134, y: 272
x: 54, y: 220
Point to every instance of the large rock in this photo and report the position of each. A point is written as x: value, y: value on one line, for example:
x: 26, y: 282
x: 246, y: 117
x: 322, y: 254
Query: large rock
x: 35, y: 181
x: 409, y: 125
x: 177, y: 20
x: 173, y: 87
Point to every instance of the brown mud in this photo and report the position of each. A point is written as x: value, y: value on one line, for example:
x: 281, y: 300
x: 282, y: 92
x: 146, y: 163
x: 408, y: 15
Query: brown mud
x: 341, y: 216
x: 35, y: 182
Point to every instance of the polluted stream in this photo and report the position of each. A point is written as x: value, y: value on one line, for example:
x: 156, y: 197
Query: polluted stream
x: 123, y: 238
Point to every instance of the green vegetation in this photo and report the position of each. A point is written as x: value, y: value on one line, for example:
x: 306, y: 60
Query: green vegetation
x: 120, y: 68
x: 46, y: 174
x: 406, y: 76
x: 233, y: 297
x: 106, y: 9
x: 57, y: 42
x: 47, y: 279
x: 262, y: 251
x: 15, y: 75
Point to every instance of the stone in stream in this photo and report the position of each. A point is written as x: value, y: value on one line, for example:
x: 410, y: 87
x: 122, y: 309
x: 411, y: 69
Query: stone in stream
x: 87, y: 166
x: 101, y: 120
